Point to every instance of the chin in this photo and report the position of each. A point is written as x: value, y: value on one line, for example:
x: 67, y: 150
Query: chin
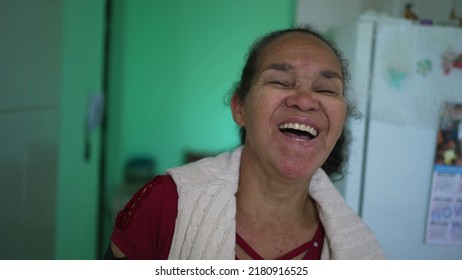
x: 294, y: 171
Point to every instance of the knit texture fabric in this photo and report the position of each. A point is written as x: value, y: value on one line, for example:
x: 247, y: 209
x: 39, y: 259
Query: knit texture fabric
x: 206, y: 220
x: 347, y: 236
x: 206, y: 226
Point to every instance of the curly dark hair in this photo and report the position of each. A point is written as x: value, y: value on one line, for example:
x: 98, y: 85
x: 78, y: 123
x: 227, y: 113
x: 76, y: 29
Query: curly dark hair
x: 336, y: 160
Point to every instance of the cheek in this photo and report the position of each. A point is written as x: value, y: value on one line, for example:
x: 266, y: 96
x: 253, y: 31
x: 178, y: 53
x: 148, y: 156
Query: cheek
x: 253, y: 115
x: 259, y: 111
x: 259, y: 107
x: 337, y: 118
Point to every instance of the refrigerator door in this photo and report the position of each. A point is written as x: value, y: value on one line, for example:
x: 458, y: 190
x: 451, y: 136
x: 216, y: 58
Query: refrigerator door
x: 410, y: 82
x: 356, y: 41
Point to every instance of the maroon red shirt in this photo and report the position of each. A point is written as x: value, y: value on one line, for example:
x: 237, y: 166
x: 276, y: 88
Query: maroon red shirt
x: 144, y: 227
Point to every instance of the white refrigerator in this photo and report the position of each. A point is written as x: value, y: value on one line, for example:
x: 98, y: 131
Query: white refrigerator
x: 402, y: 74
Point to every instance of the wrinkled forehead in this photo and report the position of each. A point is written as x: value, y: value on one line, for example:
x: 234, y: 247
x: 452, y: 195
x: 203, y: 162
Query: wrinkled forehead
x: 300, y: 45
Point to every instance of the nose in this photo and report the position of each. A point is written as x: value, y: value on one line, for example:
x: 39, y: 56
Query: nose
x: 303, y: 100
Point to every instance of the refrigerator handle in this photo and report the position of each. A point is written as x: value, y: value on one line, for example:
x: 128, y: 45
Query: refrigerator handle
x: 367, y: 116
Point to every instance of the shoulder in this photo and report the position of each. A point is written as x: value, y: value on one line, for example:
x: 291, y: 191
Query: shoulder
x: 347, y: 236
x: 144, y: 227
x: 207, y: 171
x: 156, y: 194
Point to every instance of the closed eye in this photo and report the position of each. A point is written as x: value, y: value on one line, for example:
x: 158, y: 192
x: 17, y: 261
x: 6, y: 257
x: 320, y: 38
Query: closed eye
x: 332, y: 87
x: 280, y: 83
x: 327, y: 91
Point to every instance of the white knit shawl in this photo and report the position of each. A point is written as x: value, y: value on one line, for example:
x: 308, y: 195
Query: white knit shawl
x: 206, y: 227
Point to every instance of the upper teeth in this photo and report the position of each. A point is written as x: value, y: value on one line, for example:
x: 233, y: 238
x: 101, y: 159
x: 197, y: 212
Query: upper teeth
x: 299, y: 126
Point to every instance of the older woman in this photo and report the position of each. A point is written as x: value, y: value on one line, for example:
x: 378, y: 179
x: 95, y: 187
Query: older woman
x: 270, y: 198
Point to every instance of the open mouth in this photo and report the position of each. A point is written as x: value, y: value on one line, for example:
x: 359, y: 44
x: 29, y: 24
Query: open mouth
x: 298, y: 131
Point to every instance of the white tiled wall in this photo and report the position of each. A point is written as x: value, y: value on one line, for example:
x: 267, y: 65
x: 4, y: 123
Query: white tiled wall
x: 29, y: 107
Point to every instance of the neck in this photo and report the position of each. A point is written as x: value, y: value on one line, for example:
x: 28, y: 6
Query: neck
x: 266, y: 211
x: 266, y: 200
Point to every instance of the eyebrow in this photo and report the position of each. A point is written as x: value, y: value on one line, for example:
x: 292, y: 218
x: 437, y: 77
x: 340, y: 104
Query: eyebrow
x: 287, y: 67
x: 331, y: 74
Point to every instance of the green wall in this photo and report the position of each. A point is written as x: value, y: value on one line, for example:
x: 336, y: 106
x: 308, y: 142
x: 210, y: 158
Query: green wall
x: 78, y: 179
x: 172, y: 64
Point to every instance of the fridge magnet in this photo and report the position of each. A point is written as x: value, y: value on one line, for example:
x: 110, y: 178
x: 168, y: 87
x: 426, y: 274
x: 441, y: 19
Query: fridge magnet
x: 398, y: 60
x: 451, y: 60
x: 396, y: 76
x: 444, y: 219
x: 458, y: 62
x: 424, y: 67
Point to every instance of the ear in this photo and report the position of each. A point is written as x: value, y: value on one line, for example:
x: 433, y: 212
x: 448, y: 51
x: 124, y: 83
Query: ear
x: 236, y: 110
